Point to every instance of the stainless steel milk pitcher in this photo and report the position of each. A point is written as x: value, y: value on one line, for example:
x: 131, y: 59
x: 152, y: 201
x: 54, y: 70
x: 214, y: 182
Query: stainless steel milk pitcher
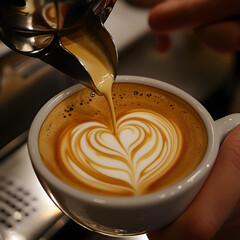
x: 33, y: 28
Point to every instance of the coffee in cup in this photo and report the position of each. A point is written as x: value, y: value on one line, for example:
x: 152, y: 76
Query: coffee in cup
x: 160, y: 139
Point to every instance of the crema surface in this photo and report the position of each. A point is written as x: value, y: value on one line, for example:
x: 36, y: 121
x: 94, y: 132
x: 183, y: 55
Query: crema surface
x: 160, y: 139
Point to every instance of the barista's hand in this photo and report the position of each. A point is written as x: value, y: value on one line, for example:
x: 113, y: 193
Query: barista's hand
x: 215, y: 22
x: 215, y: 212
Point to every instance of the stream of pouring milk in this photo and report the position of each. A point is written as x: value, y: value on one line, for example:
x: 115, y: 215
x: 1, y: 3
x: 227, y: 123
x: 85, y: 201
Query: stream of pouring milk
x: 97, y: 65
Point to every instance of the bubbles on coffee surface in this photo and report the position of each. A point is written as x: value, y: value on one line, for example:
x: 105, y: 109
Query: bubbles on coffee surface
x: 92, y: 94
x: 146, y: 147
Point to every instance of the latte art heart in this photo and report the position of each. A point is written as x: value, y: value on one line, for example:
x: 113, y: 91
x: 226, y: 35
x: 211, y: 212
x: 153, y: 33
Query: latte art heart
x: 146, y: 146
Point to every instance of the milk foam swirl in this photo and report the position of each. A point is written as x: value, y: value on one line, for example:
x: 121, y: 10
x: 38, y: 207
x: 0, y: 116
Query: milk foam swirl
x: 146, y: 147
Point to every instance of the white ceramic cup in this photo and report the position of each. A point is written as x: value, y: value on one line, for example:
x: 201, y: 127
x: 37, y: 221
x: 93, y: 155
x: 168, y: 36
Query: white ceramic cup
x: 129, y: 215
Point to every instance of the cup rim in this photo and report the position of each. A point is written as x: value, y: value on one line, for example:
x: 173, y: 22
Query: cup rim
x: 164, y: 194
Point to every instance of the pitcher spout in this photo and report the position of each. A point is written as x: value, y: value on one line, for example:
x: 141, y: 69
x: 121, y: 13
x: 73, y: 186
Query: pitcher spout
x: 83, y: 52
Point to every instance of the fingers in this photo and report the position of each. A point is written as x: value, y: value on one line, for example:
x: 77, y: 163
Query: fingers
x: 215, y: 202
x: 210, y: 19
x: 174, y: 15
x: 221, y: 36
